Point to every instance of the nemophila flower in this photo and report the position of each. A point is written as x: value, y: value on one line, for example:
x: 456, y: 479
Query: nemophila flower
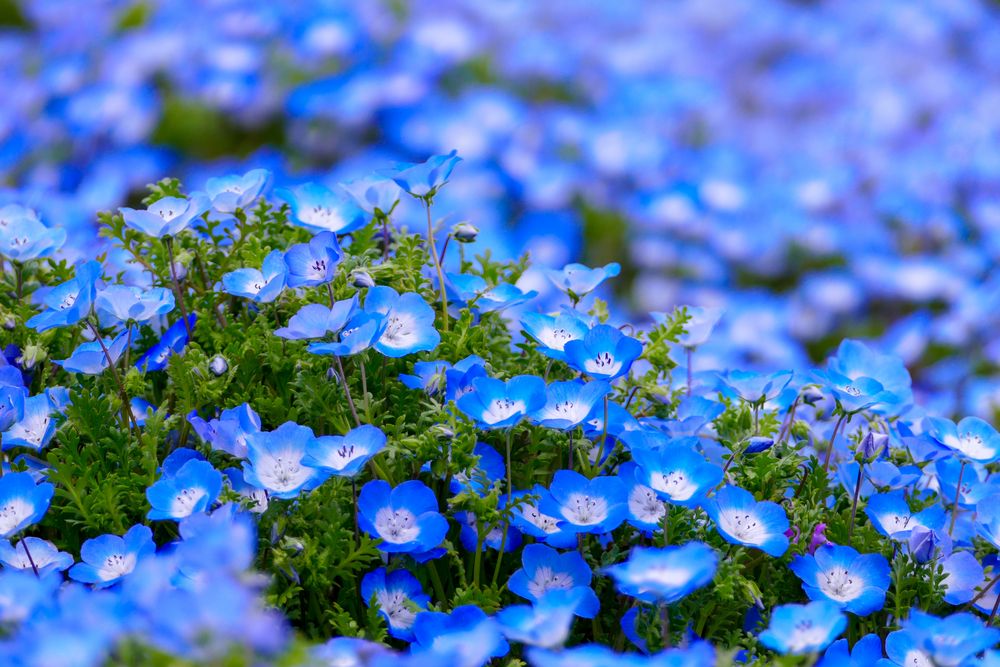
x: 479, y: 477
x: 313, y: 263
x: 855, y: 394
x: 924, y: 544
x: 176, y: 459
x: 577, y: 280
x: 963, y: 573
x: 275, y: 461
x: 754, y: 387
x: 168, y: 216
x: 546, y: 623
x: 856, y: 360
x: 473, y: 291
x: 375, y: 194
x: 605, y: 353
x: 458, y: 378
x: 498, y: 537
x: 316, y: 320
x: 567, y: 404
x: 259, y: 285
x: 424, y: 179
x: 972, y: 439
x: 701, y: 321
x: 678, y: 474
x: 194, y: 488
x: 398, y: 596
x: 597, y: 505
x: 25, y: 237
x: 645, y: 509
x: 890, y: 514
x: 71, y: 301
x: 873, y: 446
x: 121, y: 303
x: 108, y: 558
x: 987, y: 519
x: 90, y: 358
x: 466, y: 637
x: 22, y: 502
x: 173, y: 341
x: 409, y: 322
x: 360, y: 333
x: 530, y: 520
x: 232, y: 192
x: 545, y: 570
x: 11, y: 406
x: 229, y: 432
x: 974, y: 478
x: 45, y: 556
x: 350, y: 652
x: 946, y: 642
x: 552, y: 332
x: 345, y: 455
x: 740, y: 519
x: 141, y: 410
x: 320, y: 209
x: 256, y: 498
x: 697, y: 654
x: 855, y: 582
x: 493, y: 403
x: 23, y: 597
x: 35, y: 428
x: 800, y: 629
x: 428, y: 376
x: 405, y: 518
x: 218, y: 365
x: 665, y: 575
x: 866, y: 652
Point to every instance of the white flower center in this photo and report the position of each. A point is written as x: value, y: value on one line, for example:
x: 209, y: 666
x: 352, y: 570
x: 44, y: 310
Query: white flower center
x: 675, y: 484
x: 743, y: 526
x: 13, y: 513
x: 395, y: 605
x: 602, y: 363
x: 396, y: 526
x: 644, y: 505
x: 839, y: 584
x: 546, y: 580
x: 544, y: 522
x: 185, y: 501
x: 501, y: 409
x: 585, y: 510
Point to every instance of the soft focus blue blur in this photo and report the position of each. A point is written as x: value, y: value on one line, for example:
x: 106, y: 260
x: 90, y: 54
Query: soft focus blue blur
x: 818, y: 169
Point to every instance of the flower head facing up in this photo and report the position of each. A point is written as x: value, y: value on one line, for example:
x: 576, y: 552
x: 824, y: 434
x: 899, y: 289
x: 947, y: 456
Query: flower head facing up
x: 408, y: 321
x: 91, y: 358
x: 70, y: 302
x: 192, y: 489
x: 546, y: 570
x: 465, y: 637
x: 577, y: 280
x: 740, y: 519
x: 314, y: 263
x: 597, y: 505
x: 547, y: 622
x: 424, y: 179
x: 121, y: 303
x: 405, y: 518
x: 949, y: 642
x: 855, y: 582
x: 168, y: 216
x: 320, y: 209
x: 45, y: 556
x: 800, y: 629
x: 345, y: 455
x: 259, y: 285
x: 972, y: 439
x: 22, y: 502
x: 36, y: 427
x: 552, y: 332
x: 605, y: 353
x: 229, y: 193
x: 568, y: 404
x: 677, y: 474
x: 494, y: 404
x: 856, y: 360
x: 665, y: 575
x: 399, y: 598
x: 109, y: 558
x: 24, y: 237
x: 275, y: 461
x: 891, y: 515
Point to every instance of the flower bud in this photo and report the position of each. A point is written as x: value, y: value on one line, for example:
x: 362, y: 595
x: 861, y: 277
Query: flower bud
x: 818, y: 538
x: 180, y: 270
x: 873, y: 445
x: 9, y: 324
x: 465, y: 232
x: 759, y: 443
x: 218, y: 365
x: 361, y: 279
x: 442, y: 431
x: 925, y: 543
x: 811, y: 395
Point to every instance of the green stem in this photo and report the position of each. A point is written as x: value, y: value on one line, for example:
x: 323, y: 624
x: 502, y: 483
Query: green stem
x: 347, y: 391
x: 436, y: 581
x: 854, y: 502
x: 169, y: 243
x: 833, y: 441
x: 954, y: 509
x: 437, y: 265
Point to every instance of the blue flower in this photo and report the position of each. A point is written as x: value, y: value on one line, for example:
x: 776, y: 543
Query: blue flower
x: 90, y: 359
x: 109, y: 558
x: 399, y: 598
x: 458, y: 378
x: 229, y: 193
x: 530, y: 520
x: 428, y: 376
x: 350, y: 652
x: 665, y: 575
x: 275, y: 461
x: 11, y: 406
x: 740, y: 519
x: 24, y: 237
x: 800, y: 629
x: 645, y: 509
x: 174, y: 339
x: 423, y: 179
x: 972, y: 439
x: 259, y: 285
x: 409, y: 322
x: 701, y: 322
x: 890, y: 514
x: 168, y: 216
x: 577, y: 280
x: 854, y: 582
x: 22, y: 502
x: 316, y: 320
x: 605, y: 353
x: 568, y: 404
x: 494, y: 539
x: 856, y: 394
x: 474, y: 291
x: 866, y: 653
x: 552, y: 332
x: 255, y: 499
x: 963, y: 573
x: 69, y: 302
x: 122, y: 303
x: 229, y: 432
x: 597, y: 505
x: 35, y: 428
x: 26, y: 598
x: 375, y: 194
x: 929, y: 640
x: 45, y: 556
x: 320, y: 209
x: 406, y: 518
x: 854, y: 360
x: 546, y: 623
x: 697, y: 654
x: 345, y: 455
x: 359, y: 334
x: 478, y: 478
x: 466, y: 637
x: 314, y: 263
x: 755, y: 387
x: 192, y: 489
x: 494, y: 404
x: 677, y: 474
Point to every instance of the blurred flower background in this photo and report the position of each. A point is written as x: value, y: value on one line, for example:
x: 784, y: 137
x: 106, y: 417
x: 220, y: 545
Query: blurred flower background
x: 817, y: 169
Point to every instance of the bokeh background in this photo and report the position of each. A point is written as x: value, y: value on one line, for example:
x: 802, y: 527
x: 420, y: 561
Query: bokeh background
x: 820, y: 169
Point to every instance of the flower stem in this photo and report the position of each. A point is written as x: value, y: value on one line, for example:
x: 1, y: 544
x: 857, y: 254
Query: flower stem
x: 954, y: 508
x: 854, y: 503
x: 787, y: 426
x: 665, y: 625
x: 689, y: 372
x: 169, y: 243
x: 27, y: 553
x: 437, y: 264
x: 510, y: 482
x: 347, y: 391
x: 129, y: 418
x: 354, y: 501
x: 571, y: 432
x: 833, y: 441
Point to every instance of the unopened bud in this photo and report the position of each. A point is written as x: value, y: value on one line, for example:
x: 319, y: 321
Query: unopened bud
x: 465, y: 232
x: 218, y: 365
x: 362, y: 279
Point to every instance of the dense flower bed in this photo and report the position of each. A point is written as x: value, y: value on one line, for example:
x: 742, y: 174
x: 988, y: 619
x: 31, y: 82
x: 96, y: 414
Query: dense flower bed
x: 294, y: 436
